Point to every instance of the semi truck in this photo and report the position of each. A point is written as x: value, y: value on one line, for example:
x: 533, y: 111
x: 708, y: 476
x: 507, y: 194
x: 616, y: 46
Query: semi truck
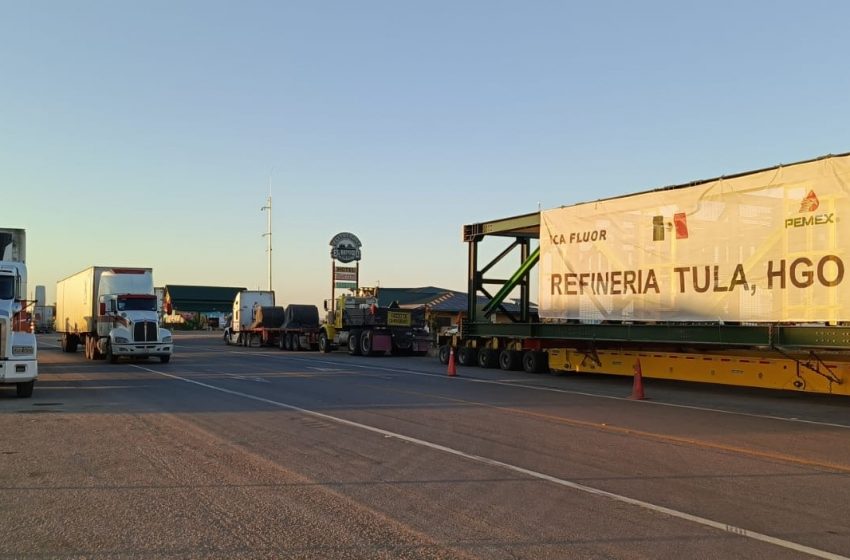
x: 112, y: 313
x: 18, y: 348
x: 737, y: 280
x: 255, y: 319
x: 356, y: 322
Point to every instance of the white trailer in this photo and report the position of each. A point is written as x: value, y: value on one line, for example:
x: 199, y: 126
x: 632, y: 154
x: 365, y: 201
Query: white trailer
x: 255, y: 320
x: 18, y: 349
x: 112, y: 312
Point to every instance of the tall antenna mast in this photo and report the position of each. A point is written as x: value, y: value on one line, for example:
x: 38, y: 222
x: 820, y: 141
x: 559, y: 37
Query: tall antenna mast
x: 268, y: 233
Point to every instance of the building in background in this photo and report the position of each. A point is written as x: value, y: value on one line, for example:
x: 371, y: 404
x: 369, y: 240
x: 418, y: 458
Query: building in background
x: 197, y: 307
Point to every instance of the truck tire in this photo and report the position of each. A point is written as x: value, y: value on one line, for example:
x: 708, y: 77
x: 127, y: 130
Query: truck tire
x: 24, y: 390
x: 444, y: 354
x: 281, y: 342
x: 467, y: 356
x: 354, y: 343
x: 366, y: 343
x: 510, y: 360
x: 324, y: 343
x: 165, y: 359
x: 69, y: 343
x: 112, y: 358
x: 534, y: 361
x: 488, y: 358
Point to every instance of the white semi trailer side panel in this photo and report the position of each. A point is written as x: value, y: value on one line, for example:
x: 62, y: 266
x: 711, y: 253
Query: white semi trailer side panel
x: 76, y: 299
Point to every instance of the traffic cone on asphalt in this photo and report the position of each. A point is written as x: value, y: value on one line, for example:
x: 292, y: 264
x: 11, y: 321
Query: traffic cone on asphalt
x: 637, y: 385
x: 452, y: 367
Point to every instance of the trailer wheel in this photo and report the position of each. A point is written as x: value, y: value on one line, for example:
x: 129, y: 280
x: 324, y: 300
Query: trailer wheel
x: 467, y: 356
x: 488, y: 358
x: 24, y: 390
x: 354, y: 343
x: 534, y: 361
x: 510, y: 360
x: 444, y: 353
x: 69, y: 343
x: 366, y: 343
x: 324, y: 343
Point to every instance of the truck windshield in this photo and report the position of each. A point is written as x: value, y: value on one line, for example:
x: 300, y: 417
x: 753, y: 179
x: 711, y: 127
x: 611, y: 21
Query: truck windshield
x: 137, y: 304
x: 7, y: 287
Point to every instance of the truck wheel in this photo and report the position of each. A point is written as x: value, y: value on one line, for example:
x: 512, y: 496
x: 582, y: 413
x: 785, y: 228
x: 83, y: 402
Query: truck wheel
x: 113, y: 359
x: 324, y: 343
x: 535, y: 361
x: 165, y: 359
x: 488, y: 358
x: 354, y: 343
x: 366, y: 343
x: 24, y: 390
x: 467, y: 356
x: 510, y: 360
x: 444, y: 354
x: 69, y: 343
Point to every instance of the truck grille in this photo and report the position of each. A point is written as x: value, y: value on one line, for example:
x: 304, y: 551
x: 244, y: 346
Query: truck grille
x: 144, y: 331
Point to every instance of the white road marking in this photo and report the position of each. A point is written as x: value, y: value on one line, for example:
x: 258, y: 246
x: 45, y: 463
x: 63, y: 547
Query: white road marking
x: 512, y: 383
x: 739, y: 531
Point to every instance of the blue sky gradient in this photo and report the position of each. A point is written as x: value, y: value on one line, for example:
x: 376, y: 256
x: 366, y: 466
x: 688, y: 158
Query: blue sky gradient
x: 146, y: 134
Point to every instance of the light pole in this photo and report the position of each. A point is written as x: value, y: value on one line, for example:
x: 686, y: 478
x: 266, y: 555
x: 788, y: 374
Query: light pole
x: 268, y: 233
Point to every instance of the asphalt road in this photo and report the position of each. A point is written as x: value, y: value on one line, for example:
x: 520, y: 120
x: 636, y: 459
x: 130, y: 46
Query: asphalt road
x: 231, y: 452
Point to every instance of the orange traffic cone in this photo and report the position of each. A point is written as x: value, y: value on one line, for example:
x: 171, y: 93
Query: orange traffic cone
x: 637, y: 386
x: 452, y: 367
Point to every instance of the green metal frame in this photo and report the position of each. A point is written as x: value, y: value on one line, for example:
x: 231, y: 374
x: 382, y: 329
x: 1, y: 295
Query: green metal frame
x: 523, y: 229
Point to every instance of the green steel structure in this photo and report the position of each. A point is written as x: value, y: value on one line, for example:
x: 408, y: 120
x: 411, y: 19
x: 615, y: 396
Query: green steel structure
x: 521, y: 231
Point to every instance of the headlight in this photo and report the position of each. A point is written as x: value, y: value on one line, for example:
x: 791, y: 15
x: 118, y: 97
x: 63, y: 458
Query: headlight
x: 23, y: 350
x: 121, y: 340
x: 166, y: 340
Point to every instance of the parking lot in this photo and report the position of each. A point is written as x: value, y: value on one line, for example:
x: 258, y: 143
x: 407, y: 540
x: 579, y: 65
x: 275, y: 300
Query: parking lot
x: 230, y: 452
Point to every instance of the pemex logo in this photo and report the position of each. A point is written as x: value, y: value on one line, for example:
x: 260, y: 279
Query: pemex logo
x: 810, y: 203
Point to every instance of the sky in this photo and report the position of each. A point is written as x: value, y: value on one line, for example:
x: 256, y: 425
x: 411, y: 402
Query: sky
x: 151, y: 133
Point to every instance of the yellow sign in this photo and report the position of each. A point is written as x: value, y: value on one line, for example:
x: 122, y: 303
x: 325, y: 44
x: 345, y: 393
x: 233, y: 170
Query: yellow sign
x: 398, y: 318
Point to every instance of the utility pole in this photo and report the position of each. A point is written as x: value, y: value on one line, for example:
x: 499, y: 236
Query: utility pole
x: 268, y: 233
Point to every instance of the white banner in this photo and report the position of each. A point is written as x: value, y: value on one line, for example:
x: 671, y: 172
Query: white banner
x: 763, y: 247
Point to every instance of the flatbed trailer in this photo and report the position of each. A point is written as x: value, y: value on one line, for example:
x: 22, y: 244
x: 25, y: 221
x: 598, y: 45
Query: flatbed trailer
x: 811, y: 355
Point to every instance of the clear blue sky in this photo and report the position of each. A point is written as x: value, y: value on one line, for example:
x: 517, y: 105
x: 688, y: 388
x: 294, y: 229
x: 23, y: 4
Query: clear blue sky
x: 146, y: 133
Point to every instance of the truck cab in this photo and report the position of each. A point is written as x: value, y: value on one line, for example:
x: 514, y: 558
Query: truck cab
x: 18, y: 348
x: 358, y: 323
x: 128, y: 321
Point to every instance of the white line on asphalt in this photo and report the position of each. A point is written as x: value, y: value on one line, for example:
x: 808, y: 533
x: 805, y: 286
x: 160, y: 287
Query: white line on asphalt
x: 511, y: 383
x: 741, y: 532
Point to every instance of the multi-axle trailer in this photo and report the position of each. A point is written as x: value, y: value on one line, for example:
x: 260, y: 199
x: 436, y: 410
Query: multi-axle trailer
x: 738, y: 280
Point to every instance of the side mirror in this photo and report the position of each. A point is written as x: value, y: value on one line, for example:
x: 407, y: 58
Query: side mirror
x: 102, y: 310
